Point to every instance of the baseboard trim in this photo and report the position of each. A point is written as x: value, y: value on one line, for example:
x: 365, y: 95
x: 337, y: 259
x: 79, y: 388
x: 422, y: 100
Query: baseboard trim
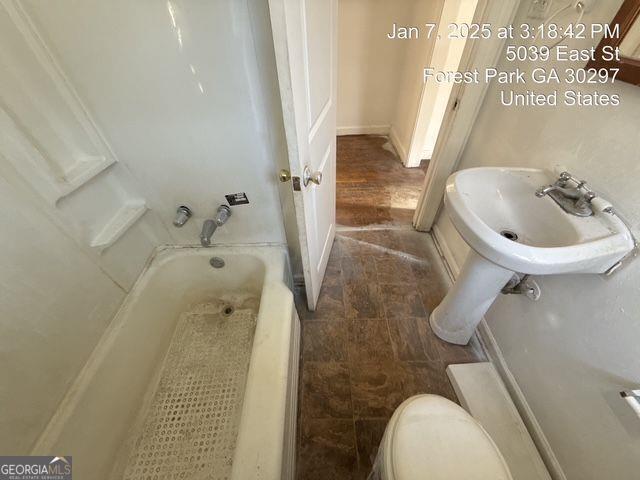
x: 363, y: 130
x: 483, y: 394
x: 494, y: 353
x: 517, y: 396
x: 397, y: 144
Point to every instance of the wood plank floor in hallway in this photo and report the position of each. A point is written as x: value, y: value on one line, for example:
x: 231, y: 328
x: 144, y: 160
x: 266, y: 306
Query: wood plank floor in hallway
x: 369, y: 346
x: 373, y: 187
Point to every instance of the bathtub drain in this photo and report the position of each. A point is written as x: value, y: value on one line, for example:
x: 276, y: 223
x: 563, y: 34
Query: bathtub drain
x: 228, y: 310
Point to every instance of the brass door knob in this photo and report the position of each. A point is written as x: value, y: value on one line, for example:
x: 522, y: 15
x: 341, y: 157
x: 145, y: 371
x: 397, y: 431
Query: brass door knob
x: 284, y: 175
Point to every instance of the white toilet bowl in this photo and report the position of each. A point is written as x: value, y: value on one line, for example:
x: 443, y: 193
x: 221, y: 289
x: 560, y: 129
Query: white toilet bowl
x: 432, y: 438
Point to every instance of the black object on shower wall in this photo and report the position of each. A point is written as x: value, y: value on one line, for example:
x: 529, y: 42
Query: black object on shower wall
x: 237, y: 199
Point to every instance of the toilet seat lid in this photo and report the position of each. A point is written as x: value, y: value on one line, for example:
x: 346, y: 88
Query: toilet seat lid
x: 432, y: 438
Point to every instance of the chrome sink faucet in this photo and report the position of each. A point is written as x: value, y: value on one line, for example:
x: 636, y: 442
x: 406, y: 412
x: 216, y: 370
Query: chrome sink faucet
x: 209, y: 226
x: 575, y: 199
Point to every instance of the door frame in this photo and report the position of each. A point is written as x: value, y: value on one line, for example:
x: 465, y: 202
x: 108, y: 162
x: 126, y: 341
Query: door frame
x: 431, y: 90
x: 462, y: 110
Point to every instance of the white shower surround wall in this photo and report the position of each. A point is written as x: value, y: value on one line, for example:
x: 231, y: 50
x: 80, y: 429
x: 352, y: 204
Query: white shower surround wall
x: 95, y: 421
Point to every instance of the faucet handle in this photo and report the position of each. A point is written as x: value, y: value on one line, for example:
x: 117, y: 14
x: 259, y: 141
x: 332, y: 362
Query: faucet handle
x: 183, y: 213
x: 567, y: 177
x: 222, y: 215
x: 589, y: 195
x: 563, y: 178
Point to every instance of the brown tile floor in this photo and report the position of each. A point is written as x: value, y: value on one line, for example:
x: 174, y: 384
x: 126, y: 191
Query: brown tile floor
x: 373, y: 187
x: 368, y: 347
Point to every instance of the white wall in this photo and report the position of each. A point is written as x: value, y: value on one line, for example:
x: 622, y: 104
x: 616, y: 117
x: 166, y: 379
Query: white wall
x: 578, y: 346
x: 119, y: 111
x: 368, y: 63
x: 55, y: 302
x: 373, y: 71
x: 184, y: 106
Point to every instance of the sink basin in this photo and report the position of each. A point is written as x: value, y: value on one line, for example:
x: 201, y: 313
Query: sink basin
x: 482, y: 202
x: 510, y: 229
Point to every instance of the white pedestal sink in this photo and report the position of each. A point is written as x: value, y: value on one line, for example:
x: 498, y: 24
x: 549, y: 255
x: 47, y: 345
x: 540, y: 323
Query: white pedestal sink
x: 487, y: 203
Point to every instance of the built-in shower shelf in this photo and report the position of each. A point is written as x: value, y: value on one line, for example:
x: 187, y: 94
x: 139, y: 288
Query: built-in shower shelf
x: 124, y: 219
x: 82, y: 173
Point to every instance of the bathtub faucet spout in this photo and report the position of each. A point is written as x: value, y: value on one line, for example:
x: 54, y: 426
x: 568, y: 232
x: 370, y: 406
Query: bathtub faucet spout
x: 209, y: 226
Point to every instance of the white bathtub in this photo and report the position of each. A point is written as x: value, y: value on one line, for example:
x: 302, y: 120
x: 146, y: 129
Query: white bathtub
x: 97, y: 420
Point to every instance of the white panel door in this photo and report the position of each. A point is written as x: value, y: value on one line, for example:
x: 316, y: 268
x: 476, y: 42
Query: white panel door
x: 305, y: 34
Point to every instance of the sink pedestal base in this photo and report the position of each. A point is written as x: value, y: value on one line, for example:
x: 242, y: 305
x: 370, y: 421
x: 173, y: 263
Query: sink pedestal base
x: 475, y: 290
